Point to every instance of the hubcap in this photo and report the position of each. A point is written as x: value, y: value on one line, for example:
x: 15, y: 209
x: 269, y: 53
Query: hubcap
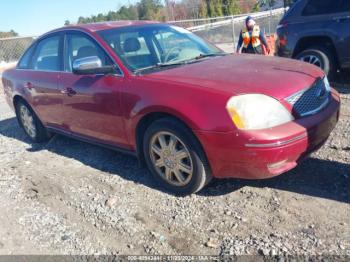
x: 27, y: 121
x: 311, y: 59
x: 171, y: 158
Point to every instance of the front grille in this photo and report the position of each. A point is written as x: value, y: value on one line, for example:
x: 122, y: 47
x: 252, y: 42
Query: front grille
x: 311, y: 100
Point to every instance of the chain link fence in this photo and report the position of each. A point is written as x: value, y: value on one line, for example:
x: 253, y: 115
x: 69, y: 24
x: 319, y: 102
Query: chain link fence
x: 225, y: 31
x: 11, y: 49
x: 222, y: 31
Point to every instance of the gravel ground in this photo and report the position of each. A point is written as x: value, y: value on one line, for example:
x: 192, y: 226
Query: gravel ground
x: 69, y: 197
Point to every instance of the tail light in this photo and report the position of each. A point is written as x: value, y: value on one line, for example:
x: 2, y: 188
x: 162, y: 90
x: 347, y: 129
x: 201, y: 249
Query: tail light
x: 282, y: 40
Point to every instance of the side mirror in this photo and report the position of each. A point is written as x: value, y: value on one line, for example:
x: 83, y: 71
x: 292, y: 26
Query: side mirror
x: 91, y: 65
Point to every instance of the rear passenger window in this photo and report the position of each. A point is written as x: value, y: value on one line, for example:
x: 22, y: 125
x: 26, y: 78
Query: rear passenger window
x: 323, y: 7
x: 46, y: 57
x: 24, y: 63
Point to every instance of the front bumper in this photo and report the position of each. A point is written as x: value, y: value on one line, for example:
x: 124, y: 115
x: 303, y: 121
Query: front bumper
x: 271, y: 152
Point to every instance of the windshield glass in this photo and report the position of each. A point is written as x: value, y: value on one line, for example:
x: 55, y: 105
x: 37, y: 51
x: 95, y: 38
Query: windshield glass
x: 153, y: 46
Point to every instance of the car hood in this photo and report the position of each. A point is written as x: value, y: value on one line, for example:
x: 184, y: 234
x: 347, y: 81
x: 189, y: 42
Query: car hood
x: 243, y: 74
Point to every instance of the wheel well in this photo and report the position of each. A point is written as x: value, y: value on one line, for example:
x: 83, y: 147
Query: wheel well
x: 313, y: 41
x: 145, y: 122
x: 18, y: 98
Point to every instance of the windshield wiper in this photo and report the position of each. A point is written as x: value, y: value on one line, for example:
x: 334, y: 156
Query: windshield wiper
x: 183, y: 62
x: 209, y: 55
x: 189, y: 61
x: 160, y: 65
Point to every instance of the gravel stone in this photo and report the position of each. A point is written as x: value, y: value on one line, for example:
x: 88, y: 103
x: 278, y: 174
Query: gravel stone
x: 69, y: 197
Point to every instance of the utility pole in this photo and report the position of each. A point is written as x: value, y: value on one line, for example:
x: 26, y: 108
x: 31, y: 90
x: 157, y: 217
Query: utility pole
x: 270, y: 5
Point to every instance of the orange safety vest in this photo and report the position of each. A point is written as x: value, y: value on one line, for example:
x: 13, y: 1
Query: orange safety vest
x: 255, y: 39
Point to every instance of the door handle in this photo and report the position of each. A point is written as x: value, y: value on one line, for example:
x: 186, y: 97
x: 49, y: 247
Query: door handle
x: 68, y: 91
x: 28, y: 85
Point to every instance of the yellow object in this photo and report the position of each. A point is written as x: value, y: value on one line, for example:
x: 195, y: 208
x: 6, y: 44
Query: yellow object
x: 237, y: 120
x: 255, y: 39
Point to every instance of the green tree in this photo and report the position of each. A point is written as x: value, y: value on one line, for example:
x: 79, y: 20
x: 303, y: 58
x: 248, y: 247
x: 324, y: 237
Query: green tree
x: 127, y: 13
x: 11, y: 33
x: 230, y: 7
x: 203, y: 9
x: 150, y: 9
x: 256, y: 7
x: 268, y: 3
x: 214, y: 8
x: 218, y: 6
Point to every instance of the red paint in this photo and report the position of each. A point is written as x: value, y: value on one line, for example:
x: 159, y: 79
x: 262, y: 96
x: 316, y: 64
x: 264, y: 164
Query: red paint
x: 108, y: 108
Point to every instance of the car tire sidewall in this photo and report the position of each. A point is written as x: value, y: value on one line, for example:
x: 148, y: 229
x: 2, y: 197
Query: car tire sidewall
x: 325, y: 57
x: 201, y: 174
x: 41, y: 132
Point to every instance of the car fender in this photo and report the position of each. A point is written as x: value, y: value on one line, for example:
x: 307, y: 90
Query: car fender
x: 198, y: 108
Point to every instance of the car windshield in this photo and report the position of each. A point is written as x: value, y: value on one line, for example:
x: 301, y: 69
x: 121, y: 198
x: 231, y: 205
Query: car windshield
x: 150, y: 47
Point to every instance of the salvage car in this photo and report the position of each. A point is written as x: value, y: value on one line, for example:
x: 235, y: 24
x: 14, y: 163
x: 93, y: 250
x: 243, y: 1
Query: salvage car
x: 186, y: 109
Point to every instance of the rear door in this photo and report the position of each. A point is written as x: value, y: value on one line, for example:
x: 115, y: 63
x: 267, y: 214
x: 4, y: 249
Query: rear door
x: 39, y: 77
x: 330, y: 17
x: 91, y: 104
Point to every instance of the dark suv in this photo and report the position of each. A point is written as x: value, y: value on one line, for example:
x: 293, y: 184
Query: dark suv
x: 318, y: 32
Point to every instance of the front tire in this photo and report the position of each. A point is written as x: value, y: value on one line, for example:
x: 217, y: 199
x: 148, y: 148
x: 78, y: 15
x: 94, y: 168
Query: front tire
x: 322, y: 58
x: 175, y: 157
x: 30, y: 123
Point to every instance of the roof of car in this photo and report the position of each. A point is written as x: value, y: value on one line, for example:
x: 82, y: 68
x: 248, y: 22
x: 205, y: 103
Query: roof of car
x: 109, y: 25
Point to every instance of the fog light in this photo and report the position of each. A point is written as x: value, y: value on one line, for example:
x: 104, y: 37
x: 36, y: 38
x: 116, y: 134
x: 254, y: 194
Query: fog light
x: 277, y: 164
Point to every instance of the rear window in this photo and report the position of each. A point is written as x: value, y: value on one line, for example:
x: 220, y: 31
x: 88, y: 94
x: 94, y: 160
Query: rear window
x: 25, y: 60
x: 46, y: 56
x: 318, y: 7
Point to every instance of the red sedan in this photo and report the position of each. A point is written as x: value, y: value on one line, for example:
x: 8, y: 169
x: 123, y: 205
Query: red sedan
x: 187, y: 110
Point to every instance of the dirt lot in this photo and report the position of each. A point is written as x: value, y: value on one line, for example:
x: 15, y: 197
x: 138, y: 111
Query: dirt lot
x: 68, y: 197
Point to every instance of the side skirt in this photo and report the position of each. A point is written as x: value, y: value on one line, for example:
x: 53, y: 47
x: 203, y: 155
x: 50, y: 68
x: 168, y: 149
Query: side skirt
x: 93, y: 142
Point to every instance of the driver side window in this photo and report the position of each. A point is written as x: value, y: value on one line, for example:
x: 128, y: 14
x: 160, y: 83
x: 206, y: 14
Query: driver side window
x: 80, y: 46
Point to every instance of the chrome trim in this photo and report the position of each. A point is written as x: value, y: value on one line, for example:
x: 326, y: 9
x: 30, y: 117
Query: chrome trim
x: 90, y: 62
x: 44, y: 71
x: 322, y: 106
x: 278, y: 143
x: 65, y: 30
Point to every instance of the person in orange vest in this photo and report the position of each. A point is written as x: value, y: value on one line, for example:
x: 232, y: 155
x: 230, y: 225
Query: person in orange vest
x: 252, y: 40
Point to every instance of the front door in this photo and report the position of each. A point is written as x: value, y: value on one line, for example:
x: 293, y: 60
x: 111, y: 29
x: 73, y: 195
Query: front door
x: 92, y: 106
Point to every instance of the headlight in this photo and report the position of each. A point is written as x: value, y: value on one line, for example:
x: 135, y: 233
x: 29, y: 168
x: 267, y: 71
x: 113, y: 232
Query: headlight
x: 256, y: 111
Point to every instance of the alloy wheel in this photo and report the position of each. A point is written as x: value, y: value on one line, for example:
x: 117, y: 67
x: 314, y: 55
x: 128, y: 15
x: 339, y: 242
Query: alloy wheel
x: 171, y: 158
x: 311, y: 59
x: 27, y: 120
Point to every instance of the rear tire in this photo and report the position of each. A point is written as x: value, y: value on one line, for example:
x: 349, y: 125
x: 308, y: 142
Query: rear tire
x: 30, y: 123
x: 321, y: 57
x: 165, y: 140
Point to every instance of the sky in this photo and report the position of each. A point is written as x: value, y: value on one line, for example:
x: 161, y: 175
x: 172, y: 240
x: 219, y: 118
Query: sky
x: 35, y: 17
